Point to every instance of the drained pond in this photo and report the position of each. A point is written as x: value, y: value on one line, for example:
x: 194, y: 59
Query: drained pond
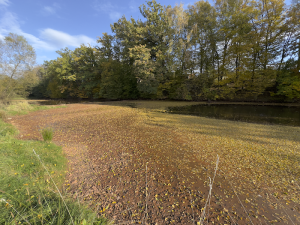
x: 262, y: 114
x: 134, y: 164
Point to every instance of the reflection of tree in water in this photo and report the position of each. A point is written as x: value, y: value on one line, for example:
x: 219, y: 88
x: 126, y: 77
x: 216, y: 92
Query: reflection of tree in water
x: 246, y: 113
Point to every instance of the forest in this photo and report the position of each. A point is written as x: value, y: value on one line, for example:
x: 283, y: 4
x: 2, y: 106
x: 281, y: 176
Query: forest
x: 236, y: 50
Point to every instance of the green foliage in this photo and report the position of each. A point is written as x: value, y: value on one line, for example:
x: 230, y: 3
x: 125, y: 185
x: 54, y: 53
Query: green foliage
x: 47, y: 134
x: 289, y: 81
x: 229, y: 50
x: 27, y: 82
x: 118, y: 82
x: 290, y: 87
x: 7, y: 88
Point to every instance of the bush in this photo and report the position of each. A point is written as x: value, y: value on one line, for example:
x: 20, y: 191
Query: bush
x: 47, y: 134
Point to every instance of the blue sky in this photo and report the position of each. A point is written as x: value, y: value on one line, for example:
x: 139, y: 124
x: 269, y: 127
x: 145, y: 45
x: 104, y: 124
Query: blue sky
x: 51, y: 25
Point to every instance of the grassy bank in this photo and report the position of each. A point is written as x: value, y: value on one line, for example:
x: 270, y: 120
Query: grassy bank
x: 21, y: 108
x: 27, y: 193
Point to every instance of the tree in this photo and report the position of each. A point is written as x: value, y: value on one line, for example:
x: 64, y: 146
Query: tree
x: 85, y: 65
x: 117, y: 81
x: 150, y: 54
x: 202, y: 17
x: 289, y: 81
x: 16, y: 57
x: 294, y: 16
x: 27, y: 82
x: 267, y: 35
x: 180, y: 38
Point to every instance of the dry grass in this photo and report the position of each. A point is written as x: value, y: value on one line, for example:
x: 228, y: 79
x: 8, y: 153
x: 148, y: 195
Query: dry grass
x: 19, y: 106
x: 3, y: 115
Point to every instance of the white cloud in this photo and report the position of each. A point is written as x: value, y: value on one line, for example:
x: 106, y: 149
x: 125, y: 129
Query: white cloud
x: 48, y: 39
x: 61, y: 39
x: 4, y: 2
x: 9, y: 24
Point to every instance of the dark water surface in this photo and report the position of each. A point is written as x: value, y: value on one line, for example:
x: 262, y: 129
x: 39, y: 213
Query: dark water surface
x: 282, y: 115
x: 247, y: 113
x: 58, y: 102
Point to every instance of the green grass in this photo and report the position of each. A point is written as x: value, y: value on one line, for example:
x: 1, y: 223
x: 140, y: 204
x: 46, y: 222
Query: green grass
x: 47, y: 134
x: 27, y: 193
x: 18, y: 97
x: 22, y: 107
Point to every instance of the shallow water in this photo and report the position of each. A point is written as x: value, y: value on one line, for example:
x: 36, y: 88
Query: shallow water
x: 280, y: 115
x: 58, y: 102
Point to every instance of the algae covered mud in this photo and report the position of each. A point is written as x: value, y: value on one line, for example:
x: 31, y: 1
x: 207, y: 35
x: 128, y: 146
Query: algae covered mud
x: 139, y: 165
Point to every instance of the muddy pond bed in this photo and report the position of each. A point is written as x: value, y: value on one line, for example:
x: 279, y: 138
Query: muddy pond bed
x: 134, y: 163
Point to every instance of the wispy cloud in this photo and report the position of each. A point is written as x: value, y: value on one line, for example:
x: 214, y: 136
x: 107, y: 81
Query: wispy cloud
x: 107, y: 8
x: 133, y: 6
x: 4, y: 2
x: 9, y: 24
x: 115, y: 15
x: 50, y: 10
x: 104, y: 7
x: 48, y: 39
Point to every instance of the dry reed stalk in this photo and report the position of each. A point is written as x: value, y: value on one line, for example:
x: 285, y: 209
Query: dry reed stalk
x: 211, y: 182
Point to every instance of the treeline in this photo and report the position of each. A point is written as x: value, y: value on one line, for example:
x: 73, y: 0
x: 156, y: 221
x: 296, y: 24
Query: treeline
x: 234, y: 49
